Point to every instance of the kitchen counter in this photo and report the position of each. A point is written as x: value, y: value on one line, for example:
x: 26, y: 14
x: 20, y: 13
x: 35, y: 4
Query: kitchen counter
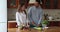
x: 11, y: 21
x: 26, y: 30
x: 50, y: 29
x: 55, y: 20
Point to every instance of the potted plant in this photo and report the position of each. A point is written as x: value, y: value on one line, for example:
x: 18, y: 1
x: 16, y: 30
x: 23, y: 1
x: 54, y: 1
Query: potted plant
x: 44, y: 23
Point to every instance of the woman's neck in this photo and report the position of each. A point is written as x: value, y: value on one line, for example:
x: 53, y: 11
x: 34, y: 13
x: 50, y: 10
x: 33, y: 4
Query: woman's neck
x: 21, y: 10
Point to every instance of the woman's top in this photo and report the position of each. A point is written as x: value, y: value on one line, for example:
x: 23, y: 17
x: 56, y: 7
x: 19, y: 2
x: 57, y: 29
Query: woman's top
x: 21, y: 18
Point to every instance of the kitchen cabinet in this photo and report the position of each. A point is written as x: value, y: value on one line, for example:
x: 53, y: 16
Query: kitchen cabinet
x: 55, y: 4
x: 51, y: 4
x: 43, y: 4
x: 24, y: 1
x: 54, y: 23
x: 15, y: 3
x: 58, y: 4
x: 46, y: 4
x: 12, y: 25
x: 12, y: 3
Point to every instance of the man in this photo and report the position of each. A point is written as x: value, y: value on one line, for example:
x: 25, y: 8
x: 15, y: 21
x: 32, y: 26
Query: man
x: 35, y: 14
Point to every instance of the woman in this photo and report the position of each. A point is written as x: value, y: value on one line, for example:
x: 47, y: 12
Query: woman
x: 21, y: 16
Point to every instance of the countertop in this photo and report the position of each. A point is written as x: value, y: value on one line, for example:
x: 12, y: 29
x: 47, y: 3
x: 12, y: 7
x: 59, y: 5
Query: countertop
x: 50, y: 29
x: 25, y: 30
x: 12, y: 21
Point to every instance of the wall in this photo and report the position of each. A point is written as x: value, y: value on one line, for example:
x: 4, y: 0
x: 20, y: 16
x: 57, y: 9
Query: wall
x: 52, y: 12
x: 3, y: 15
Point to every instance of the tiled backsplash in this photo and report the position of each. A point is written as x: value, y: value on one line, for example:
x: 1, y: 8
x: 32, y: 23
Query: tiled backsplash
x: 11, y: 13
x: 52, y: 12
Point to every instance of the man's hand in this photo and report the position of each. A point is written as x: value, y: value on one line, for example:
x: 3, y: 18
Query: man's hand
x: 38, y: 25
x: 33, y: 22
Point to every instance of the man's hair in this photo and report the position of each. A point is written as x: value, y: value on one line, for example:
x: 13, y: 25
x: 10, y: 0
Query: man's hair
x: 38, y: 1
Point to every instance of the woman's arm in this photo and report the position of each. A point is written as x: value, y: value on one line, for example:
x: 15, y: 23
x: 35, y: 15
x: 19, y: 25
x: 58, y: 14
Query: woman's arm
x: 17, y: 19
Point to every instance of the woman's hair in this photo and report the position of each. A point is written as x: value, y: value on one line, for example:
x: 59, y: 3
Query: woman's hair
x: 19, y: 8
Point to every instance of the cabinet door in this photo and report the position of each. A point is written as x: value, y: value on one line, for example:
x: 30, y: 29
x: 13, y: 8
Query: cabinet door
x: 12, y: 3
x: 51, y: 4
x: 58, y: 4
x: 12, y: 25
x: 24, y: 2
x: 43, y: 4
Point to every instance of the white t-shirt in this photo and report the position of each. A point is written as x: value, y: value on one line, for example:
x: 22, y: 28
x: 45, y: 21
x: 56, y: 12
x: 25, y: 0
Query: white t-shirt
x: 21, y: 18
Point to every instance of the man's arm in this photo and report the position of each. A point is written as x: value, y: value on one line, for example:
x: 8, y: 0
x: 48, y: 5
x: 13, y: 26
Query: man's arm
x: 30, y: 14
x: 40, y: 19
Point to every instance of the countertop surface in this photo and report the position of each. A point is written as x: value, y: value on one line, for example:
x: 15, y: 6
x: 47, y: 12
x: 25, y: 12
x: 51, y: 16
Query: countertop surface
x: 25, y: 30
x: 50, y: 29
x: 55, y: 20
x: 12, y: 21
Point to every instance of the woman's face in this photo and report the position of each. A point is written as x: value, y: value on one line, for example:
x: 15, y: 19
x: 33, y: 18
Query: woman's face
x: 23, y: 8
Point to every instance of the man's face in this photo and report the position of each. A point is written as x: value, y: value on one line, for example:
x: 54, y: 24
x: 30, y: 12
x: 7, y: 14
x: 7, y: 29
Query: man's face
x: 36, y: 4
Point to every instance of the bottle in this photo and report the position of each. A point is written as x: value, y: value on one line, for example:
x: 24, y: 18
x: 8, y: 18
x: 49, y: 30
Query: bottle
x: 45, y: 16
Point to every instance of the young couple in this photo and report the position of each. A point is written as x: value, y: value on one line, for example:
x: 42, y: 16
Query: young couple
x: 34, y: 15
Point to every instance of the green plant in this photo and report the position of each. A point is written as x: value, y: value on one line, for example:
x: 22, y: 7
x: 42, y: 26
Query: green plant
x: 45, y: 22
